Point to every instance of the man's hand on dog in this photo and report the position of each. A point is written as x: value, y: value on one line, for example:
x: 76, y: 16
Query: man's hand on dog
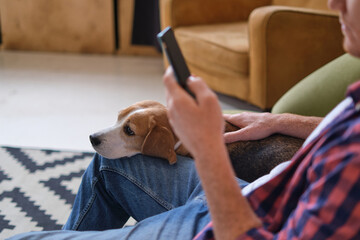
x: 256, y: 126
x: 253, y: 126
x: 198, y: 123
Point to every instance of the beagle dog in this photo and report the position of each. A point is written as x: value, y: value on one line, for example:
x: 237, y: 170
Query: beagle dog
x: 144, y: 128
x: 141, y: 128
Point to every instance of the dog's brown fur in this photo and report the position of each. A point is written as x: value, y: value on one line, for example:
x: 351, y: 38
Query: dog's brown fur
x: 153, y: 136
x: 253, y: 159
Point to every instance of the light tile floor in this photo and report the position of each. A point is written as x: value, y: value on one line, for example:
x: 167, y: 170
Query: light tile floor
x: 51, y: 100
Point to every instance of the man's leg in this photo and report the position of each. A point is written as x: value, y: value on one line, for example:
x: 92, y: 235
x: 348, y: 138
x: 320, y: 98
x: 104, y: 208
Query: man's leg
x: 167, y: 200
x: 179, y: 223
x: 139, y: 186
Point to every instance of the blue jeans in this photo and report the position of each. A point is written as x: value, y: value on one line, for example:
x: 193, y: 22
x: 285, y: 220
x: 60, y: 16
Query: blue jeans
x: 167, y: 201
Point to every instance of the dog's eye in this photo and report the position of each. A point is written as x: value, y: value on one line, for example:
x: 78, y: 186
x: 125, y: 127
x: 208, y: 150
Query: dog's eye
x: 128, y: 131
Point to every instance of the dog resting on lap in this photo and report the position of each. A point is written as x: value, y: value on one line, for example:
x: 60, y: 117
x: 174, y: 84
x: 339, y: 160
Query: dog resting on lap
x: 144, y: 128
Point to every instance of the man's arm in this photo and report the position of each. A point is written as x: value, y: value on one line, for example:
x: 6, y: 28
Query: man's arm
x: 199, y: 125
x: 230, y: 211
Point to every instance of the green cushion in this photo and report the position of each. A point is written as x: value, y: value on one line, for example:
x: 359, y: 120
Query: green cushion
x: 322, y: 90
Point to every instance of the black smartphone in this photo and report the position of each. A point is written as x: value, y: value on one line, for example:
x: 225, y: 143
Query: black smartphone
x: 176, y: 59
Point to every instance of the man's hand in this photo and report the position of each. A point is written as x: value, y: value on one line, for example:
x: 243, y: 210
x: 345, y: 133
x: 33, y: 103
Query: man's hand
x: 197, y: 122
x: 253, y: 126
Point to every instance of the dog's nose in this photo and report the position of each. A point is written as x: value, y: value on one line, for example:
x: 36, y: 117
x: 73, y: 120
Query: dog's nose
x: 95, y: 141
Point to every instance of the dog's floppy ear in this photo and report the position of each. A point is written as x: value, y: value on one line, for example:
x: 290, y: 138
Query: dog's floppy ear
x: 159, y: 142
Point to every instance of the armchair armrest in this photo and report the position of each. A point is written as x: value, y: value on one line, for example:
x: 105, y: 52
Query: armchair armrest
x: 177, y: 13
x: 287, y: 44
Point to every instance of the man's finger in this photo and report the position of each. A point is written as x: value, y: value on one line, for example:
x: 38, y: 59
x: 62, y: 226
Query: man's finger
x: 169, y: 79
x: 172, y: 86
x: 239, y: 135
x: 197, y: 85
x: 227, y: 117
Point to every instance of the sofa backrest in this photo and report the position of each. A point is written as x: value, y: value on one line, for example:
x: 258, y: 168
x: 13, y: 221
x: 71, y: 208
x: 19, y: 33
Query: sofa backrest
x: 321, y: 91
x: 313, y: 4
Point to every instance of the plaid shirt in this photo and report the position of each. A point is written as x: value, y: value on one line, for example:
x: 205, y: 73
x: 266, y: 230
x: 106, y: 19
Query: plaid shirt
x: 317, y: 196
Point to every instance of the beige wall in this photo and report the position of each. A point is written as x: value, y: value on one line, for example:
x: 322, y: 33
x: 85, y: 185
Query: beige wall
x: 58, y: 25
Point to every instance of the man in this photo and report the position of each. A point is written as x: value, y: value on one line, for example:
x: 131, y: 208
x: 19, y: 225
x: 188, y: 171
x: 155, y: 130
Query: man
x: 315, y: 196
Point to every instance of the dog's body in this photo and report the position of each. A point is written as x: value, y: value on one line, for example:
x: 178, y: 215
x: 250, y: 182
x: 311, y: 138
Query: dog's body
x: 144, y: 128
x: 253, y: 159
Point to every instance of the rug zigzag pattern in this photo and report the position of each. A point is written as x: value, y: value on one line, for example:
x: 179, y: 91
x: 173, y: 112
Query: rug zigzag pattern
x: 34, y: 188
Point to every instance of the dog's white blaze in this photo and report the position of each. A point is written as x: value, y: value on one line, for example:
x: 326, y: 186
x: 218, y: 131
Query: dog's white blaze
x: 112, y: 145
x: 130, y: 114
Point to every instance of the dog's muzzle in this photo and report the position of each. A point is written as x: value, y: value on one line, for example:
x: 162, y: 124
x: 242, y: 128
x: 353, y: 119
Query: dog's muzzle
x: 95, y: 141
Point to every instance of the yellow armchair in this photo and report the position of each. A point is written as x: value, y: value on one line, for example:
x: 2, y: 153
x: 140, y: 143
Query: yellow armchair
x: 254, y: 50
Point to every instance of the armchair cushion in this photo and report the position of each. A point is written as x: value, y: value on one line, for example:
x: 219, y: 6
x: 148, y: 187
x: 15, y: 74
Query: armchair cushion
x: 322, y: 90
x: 177, y: 13
x: 210, y: 45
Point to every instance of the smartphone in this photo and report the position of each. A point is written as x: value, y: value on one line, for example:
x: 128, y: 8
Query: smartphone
x: 176, y: 59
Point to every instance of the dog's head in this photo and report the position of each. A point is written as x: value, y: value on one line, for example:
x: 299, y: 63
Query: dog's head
x: 141, y: 128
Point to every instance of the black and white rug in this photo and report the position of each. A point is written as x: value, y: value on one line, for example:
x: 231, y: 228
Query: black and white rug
x: 37, y: 188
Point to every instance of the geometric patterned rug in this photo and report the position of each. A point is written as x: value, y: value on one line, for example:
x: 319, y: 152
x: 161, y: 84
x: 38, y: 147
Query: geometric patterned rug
x: 38, y: 188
